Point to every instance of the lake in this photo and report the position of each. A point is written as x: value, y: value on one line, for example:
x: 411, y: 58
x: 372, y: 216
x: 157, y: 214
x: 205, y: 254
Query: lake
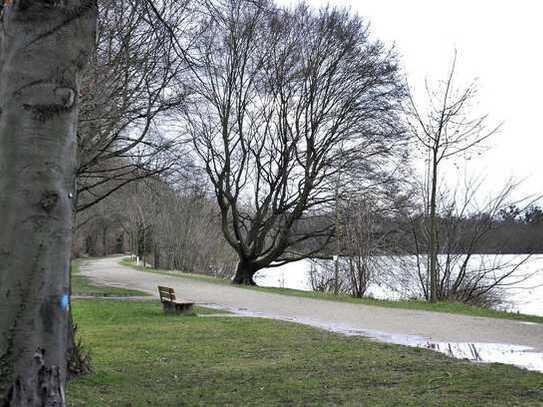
x: 525, y: 297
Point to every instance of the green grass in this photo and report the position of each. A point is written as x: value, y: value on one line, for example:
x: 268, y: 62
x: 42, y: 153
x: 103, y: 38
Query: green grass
x: 446, y: 307
x: 83, y: 286
x: 143, y: 357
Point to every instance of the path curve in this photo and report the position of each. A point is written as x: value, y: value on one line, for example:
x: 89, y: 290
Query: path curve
x: 379, y: 322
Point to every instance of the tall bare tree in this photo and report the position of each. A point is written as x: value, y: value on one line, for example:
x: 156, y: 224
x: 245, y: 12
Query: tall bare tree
x: 126, y: 99
x: 445, y: 127
x: 44, y: 47
x: 281, y: 101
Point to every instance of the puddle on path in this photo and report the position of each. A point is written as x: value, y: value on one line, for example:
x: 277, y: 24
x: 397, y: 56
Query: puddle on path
x: 516, y: 355
x: 520, y: 356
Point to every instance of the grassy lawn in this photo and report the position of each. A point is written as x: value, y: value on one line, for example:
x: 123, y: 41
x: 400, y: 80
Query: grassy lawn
x: 143, y: 357
x: 83, y: 286
x: 452, y: 308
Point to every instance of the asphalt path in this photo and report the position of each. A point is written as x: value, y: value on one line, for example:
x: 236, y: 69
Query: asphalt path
x: 387, y: 324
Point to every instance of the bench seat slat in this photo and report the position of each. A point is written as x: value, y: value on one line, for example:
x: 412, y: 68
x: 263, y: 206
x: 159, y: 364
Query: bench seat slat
x: 182, y: 302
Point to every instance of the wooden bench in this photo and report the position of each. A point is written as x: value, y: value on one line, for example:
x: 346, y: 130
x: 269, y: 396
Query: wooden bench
x: 172, y: 304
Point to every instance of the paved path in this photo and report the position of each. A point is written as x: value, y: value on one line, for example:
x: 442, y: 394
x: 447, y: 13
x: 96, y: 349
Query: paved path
x: 392, y: 325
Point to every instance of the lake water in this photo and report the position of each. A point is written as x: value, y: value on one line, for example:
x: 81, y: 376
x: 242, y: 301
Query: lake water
x: 525, y: 297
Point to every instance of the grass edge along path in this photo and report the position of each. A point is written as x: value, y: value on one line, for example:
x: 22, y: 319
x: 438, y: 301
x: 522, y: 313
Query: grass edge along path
x: 143, y: 357
x: 83, y: 286
x: 445, y: 307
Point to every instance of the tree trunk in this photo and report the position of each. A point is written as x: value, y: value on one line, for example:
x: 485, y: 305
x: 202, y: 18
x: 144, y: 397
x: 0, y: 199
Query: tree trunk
x: 434, y: 238
x: 245, y: 273
x: 105, y: 251
x: 44, y: 45
x: 90, y: 246
x: 157, y: 256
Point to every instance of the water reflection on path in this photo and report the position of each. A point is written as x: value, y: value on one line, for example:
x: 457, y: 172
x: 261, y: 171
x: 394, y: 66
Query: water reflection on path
x: 520, y: 356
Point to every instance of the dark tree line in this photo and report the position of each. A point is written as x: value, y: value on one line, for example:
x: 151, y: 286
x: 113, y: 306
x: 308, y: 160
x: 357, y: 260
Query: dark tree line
x: 501, y: 235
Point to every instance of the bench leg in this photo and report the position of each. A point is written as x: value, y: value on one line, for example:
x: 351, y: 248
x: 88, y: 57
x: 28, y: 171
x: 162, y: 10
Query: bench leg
x: 168, y: 307
x: 184, y: 309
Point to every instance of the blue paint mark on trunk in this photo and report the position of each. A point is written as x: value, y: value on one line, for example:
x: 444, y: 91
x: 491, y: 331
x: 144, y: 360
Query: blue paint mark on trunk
x: 65, y: 302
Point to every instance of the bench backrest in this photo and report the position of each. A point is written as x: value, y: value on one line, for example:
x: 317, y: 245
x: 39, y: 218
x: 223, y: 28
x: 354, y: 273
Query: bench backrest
x: 166, y: 293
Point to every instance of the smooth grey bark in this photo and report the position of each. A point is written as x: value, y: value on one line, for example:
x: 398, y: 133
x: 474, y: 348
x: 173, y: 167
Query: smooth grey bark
x: 44, y: 46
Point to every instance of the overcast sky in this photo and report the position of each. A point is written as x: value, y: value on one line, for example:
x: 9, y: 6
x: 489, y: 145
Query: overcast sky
x: 500, y: 43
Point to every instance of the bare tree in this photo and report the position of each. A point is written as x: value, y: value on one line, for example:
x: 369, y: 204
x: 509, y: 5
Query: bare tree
x: 44, y: 48
x: 124, y: 133
x: 188, y: 234
x: 362, y: 245
x: 445, y: 128
x: 282, y: 100
x: 465, y: 221
x: 370, y: 242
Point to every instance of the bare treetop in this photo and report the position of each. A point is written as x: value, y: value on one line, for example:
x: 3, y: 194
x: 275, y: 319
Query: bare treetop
x: 448, y: 123
x: 282, y: 101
